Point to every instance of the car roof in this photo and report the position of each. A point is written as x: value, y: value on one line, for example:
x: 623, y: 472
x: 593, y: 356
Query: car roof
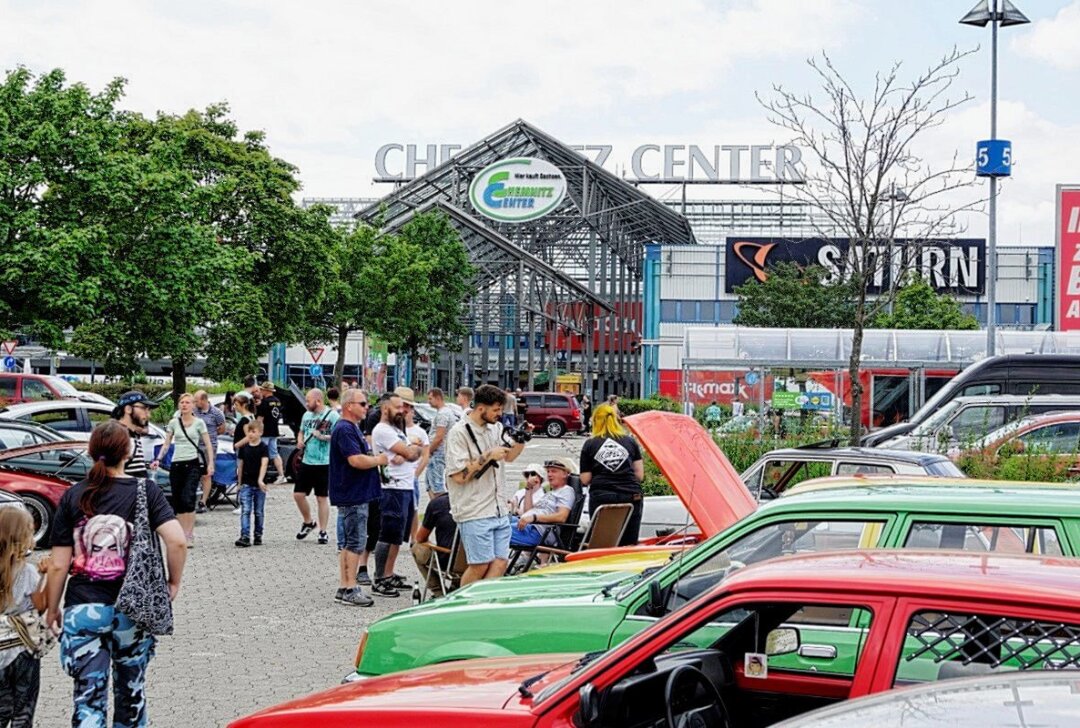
x: 15, y: 452
x: 978, y: 576
x: 22, y: 408
x: 1015, y: 398
x: 918, y: 494
x: 866, y: 454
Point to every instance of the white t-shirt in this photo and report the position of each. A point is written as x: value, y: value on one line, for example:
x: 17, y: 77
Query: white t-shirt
x: 418, y: 432
x: 553, y: 500
x: 383, y: 438
x: 519, y: 498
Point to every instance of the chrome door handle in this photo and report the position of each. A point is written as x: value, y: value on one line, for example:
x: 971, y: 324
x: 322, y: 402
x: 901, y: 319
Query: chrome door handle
x: 822, y: 652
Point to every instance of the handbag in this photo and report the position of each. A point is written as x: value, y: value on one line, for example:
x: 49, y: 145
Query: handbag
x: 144, y: 595
x: 28, y: 629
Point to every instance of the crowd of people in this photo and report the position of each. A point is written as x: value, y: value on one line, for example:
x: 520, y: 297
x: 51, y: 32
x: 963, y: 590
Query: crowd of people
x: 366, y: 461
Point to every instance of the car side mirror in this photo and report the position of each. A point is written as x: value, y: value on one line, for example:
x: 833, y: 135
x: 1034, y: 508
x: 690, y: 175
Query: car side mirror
x: 657, y: 604
x: 782, y: 641
x: 588, y: 705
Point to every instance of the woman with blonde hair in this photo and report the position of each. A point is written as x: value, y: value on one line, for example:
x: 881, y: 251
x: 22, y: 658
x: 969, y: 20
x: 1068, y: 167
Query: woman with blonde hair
x: 612, y: 468
x: 190, y: 461
x: 20, y: 671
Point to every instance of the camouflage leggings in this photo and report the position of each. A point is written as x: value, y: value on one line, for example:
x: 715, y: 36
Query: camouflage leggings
x: 19, y: 684
x: 95, y: 638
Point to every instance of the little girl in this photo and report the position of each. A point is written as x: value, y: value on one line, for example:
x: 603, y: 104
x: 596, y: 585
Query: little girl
x: 20, y: 672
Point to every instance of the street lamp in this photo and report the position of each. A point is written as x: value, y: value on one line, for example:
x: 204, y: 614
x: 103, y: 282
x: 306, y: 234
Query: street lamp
x: 894, y: 195
x: 993, y: 156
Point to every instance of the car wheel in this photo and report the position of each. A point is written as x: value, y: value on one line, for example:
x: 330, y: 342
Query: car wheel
x: 554, y: 428
x: 42, y: 511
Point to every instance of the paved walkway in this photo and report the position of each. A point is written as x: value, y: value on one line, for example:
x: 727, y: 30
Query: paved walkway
x: 255, y: 626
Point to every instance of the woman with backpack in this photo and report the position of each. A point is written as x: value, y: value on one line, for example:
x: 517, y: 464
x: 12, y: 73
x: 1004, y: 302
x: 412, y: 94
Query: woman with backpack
x: 90, y: 556
x: 191, y: 439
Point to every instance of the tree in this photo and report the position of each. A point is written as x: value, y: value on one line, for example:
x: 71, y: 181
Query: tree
x: 795, y: 298
x: 425, y: 279
x: 860, y: 150
x: 919, y: 306
x: 55, y: 142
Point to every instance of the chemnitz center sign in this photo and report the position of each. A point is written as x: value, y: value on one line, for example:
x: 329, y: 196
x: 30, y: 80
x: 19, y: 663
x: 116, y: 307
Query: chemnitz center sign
x: 517, y: 190
x: 952, y: 266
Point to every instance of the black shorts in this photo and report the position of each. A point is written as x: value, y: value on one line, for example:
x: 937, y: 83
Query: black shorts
x: 396, y: 517
x: 184, y: 484
x: 374, y: 524
x: 313, y: 478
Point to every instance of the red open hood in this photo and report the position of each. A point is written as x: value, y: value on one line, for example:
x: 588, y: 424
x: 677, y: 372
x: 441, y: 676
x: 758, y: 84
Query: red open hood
x: 698, y: 471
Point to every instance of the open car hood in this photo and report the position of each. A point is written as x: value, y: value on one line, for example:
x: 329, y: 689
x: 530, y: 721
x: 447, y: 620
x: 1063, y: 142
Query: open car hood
x: 698, y: 471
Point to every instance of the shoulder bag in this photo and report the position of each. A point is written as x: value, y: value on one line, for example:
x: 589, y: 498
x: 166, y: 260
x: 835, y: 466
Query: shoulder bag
x: 144, y: 596
x: 27, y: 629
x: 198, y: 450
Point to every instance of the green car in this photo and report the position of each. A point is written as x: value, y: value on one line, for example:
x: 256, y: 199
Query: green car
x: 589, y: 611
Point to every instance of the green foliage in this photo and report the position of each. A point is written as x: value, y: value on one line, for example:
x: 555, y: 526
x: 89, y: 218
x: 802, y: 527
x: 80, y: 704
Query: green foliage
x: 794, y: 297
x: 629, y: 407
x: 919, y: 306
x: 113, y: 390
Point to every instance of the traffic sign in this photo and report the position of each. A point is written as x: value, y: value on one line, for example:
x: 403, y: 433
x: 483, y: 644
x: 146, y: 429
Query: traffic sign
x: 993, y: 158
x: 9, y: 346
x: 751, y: 378
x: 316, y: 353
x: 9, y: 362
x: 315, y: 370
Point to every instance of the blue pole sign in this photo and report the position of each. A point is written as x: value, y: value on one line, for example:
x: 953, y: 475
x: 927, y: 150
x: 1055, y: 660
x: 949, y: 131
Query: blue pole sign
x: 751, y: 378
x: 9, y: 362
x: 315, y: 370
x: 993, y: 158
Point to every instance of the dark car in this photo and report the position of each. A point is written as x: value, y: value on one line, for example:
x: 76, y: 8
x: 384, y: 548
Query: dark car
x: 1009, y: 700
x: 1009, y: 374
x: 553, y: 413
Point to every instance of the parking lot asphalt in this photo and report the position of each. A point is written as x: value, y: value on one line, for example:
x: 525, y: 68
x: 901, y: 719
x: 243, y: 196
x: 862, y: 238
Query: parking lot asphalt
x: 256, y: 626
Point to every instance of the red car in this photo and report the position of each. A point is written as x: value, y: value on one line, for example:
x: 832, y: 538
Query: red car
x: 553, y: 413
x: 40, y: 492
x: 770, y: 642
x: 15, y: 388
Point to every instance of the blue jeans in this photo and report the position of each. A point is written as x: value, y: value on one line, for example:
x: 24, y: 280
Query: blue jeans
x: 95, y: 638
x: 251, y: 498
x: 352, y: 526
x: 436, y: 471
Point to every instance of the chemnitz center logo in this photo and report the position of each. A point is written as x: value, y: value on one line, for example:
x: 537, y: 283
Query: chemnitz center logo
x: 517, y: 190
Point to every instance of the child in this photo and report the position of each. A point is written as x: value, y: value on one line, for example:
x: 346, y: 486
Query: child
x: 20, y: 672
x: 252, y: 458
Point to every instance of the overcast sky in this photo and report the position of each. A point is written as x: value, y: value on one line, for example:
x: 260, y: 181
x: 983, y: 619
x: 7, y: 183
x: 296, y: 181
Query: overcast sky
x: 332, y: 82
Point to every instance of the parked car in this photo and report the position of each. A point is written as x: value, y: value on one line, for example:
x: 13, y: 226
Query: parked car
x: 1010, y: 700
x: 1021, y: 374
x: 75, y: 419
x: 19, y: 433
x: 40, y: 494
x: 553, y: 413
x: 1055, y: 434
x: 602, y: 601
x: 966, y: 419
x: 769, y: 476
x: 770, y: 642
x: 16, y: 388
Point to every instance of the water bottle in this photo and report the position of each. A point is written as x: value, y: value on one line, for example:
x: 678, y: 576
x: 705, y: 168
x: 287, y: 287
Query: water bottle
x: 416, y: 593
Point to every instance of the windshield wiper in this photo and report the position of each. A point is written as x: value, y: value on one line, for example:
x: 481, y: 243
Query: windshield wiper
x: 523, y: 688
x: 586, y: 659
x: 644, y: 574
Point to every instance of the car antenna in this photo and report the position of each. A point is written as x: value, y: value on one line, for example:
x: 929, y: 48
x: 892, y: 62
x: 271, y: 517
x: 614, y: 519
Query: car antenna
x: 686, y: 527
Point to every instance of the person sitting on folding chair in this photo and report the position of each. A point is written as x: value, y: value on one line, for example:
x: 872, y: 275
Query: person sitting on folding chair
x: 529, y: 529
x: 437, y: 520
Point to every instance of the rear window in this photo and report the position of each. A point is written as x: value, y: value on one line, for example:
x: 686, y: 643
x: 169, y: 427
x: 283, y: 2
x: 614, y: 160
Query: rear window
x: 35, y: 389
x: 64, y: 420
x: 552, y: 401
x: 864, y: 469
x: 984, y: 538
x: 943, y: 469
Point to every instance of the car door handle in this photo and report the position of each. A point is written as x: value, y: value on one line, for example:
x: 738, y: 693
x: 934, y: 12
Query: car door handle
x: 821, y: 652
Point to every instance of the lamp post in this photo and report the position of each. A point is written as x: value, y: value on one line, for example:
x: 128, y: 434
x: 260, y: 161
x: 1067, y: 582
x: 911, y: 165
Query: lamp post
x: 993, y: 156
x: 894, y: 195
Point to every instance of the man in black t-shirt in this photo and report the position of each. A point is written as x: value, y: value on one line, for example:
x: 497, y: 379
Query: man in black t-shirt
x: 437, y: 519
x: 612, y: 468
x: 269, y: 412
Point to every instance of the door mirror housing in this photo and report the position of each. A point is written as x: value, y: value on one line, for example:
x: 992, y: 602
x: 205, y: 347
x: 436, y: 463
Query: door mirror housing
x: 657, y: 604
x: 588, y: 705
x: 782, y: 641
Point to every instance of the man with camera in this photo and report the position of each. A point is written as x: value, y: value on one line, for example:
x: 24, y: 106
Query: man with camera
x: 477, y: 449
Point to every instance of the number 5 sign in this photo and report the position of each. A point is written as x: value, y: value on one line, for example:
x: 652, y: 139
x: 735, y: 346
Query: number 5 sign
x: 993, y: 158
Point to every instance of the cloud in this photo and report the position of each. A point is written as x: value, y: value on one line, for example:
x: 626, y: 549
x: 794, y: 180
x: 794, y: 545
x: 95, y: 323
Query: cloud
x: 1054, y: 40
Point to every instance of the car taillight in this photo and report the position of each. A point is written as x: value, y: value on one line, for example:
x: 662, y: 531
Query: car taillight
x: 360, y: 649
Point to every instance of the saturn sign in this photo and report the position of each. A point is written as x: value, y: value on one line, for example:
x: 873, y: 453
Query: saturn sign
x: 517, y: 190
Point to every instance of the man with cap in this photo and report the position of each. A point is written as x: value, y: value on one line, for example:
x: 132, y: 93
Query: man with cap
x: 554, y: 506
x: 269, y: 412
x: 133, y: 412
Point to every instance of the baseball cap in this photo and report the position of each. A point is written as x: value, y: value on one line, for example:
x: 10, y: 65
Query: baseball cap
x: 135, y: 397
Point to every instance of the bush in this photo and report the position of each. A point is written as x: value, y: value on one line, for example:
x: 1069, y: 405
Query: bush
x: 1034, y: 467
x: 113, y: 390
x: 634, y: 406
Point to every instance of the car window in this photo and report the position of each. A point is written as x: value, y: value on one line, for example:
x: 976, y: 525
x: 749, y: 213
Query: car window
x: 35, y: 390
x: 1013, y: 539
x: 11, y: 437
x: 943, y: 469
x: 1060, y: 437
x: 971, y: 423
x: 7, y: 388
x: 779, y: 475
x: 864, y: 469
x: 943, y: 645
x: 554, y: 402
x: 830, y: 637
x: 980, y: 389
x: 532, y: 400
x: 96, y: 418
x: 63, y: 420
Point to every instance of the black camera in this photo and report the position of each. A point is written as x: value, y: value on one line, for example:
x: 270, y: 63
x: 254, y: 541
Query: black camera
x: 519, y: 434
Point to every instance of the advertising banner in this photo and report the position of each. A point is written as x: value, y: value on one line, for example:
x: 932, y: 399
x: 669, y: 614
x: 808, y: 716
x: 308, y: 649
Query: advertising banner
x: 952, y: 266
x: 1068, y: 257
x: 517, y: 190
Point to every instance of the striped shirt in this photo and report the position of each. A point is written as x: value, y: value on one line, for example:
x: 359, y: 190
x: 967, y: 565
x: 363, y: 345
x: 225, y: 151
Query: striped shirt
x: 136, y: 464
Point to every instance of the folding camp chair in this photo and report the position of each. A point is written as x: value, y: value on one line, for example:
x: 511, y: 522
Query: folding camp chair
x: 450, y: 577
x: 566, y: 534
x: 605, y: 530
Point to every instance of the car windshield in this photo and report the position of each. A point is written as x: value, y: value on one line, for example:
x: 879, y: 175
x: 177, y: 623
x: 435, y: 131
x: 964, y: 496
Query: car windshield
x: 63, y: 387
x: 944, y: 469
x: 936, y: 420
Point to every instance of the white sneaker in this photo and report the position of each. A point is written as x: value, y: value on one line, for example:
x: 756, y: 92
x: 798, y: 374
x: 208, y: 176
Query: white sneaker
x: 236, y: 511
